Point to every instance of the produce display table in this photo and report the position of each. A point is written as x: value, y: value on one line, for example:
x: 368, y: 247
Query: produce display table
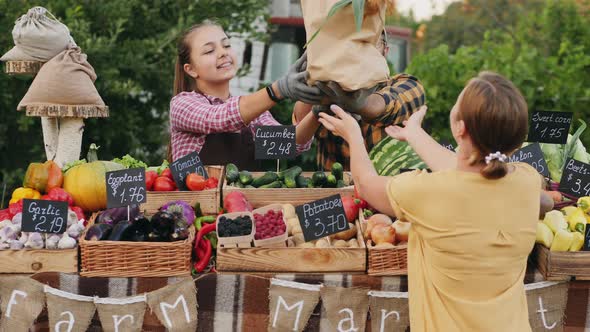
x: 240, y: 302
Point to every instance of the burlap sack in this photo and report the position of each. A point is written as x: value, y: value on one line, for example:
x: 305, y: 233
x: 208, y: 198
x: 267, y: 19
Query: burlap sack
x: 291, y: 305
x: 339, y: 53
x: 38, y: 36
x: 546, y: 302
x: 389, y: 311
x: 124, y: 314
x: 68, y: 312
x: 67, y: 79
x: 176, y: 306
x: 21, y: 301
x: 346, y: 308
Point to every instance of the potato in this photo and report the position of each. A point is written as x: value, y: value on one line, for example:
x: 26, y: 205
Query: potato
x: 290, y: 243
x: 322, y: 243
x: 297, y: 229
x: 353, y: 243
x: 306, y: 245
x: 346, y: 235
x: 298, y: 239
x: 340, y: 244
x: 289, y: 211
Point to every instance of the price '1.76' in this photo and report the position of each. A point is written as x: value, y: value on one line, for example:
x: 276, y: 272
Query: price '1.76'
x: 136, y: 195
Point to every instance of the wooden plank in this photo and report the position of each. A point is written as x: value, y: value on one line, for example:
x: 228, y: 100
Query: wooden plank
x: 260, y: 197
x: 43, y: 260
x: 208, y: 199
x: 23, y: 67
x: 558, y: 266
x: 68, y: 111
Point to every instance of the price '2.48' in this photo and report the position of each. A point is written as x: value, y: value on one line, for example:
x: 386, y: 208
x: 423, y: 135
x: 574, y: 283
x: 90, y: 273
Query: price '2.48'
x: 136, y: 195
x: 54, y: 225
x: 282, y: 148
x: 334, y: 225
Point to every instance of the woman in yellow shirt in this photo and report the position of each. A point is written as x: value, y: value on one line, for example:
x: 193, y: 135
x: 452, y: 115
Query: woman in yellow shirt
x: 473, y: 219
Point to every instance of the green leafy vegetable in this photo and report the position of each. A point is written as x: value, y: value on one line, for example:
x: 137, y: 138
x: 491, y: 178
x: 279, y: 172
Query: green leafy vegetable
x: 130, y: 162
x: 159, y: 169
x: 72, y: 164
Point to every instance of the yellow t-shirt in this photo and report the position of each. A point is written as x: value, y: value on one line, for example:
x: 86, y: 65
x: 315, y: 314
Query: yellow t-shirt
x: 468, y: 247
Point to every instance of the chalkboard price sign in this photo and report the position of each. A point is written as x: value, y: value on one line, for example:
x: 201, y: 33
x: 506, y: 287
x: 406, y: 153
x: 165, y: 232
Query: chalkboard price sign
x: 586, y: 246
x: 575, y: 179
x: 550, y: 127
x: 274, y: 142
x: 321, y: 218
x: 447, y: 145
x: 44, y: 216
x: 125, y: 187
x: 532, y: 155
x: 181, y: 168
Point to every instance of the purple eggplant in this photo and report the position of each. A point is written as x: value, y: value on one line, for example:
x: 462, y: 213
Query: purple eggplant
x: 113, y: 216
x: 138, y: 231
x: 118, y: 230
x: 98, y: 232
x: 162, y: 226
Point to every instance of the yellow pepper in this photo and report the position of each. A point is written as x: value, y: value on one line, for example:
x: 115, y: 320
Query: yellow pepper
x: 22, y: 192
x: 584, y: 203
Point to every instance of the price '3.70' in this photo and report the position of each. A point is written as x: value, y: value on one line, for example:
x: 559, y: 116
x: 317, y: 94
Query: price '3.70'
x: 334, y: 225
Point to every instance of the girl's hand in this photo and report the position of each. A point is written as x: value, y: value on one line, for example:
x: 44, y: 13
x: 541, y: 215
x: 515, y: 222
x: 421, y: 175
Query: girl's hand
x: 342, y: 125
x: 411, y: 126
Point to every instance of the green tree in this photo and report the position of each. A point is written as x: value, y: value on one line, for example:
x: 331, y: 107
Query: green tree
x: 131, y: 45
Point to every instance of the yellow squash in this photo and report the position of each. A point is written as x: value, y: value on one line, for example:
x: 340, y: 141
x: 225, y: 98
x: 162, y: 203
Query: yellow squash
x: 86, y: 184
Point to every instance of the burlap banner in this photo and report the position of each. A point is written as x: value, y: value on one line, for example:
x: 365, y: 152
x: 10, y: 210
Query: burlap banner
x: 291, y: 304
x: 22, y: 301
x: 68, y: 312
x: 389, y: 311
x: 547, y: 302
x: 176, y: 306
x: 346, y: 308
x: 118, y: 315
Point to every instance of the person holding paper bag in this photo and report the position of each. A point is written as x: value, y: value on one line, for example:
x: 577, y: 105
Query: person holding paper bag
x: 204, y: 117
x: 386, y: 104
x: 473, y: 219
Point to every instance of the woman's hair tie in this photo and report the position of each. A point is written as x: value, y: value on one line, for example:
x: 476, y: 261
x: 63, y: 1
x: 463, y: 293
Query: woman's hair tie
x: 496, y: 156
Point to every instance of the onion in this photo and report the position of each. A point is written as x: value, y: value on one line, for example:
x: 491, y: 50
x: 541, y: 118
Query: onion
x: 383, y: 234
x: 402, y: 230
x: 376, y: 219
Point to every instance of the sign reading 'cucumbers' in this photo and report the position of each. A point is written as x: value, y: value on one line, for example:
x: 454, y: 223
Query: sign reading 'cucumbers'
x: 274, y: 142
x: 549, y: 127
x: 181, y: 168
x: 532, y: 155
x: 321, y: 218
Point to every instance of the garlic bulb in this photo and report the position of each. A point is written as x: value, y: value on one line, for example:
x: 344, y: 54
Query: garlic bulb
x: 66, y: 242
x: 35, y: 241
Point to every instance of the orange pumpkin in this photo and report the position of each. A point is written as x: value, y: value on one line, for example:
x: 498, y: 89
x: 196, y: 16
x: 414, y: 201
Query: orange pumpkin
x: 86, y: 184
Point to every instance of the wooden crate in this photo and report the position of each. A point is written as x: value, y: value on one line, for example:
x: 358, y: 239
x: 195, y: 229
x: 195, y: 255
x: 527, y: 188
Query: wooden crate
x: 209, y: 199
x: 290, y: 259
x: 561, y: 265
x: 260, y: 197
x: 39, y: 260
x: 385, y: 261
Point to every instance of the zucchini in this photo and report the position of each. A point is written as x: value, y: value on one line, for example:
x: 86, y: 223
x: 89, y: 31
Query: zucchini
x: 231, y: 173
x: 274, y: 184
x: 268, y: 177
x: 289, y: 176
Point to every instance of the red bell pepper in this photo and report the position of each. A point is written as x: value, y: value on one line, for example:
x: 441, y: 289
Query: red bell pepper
x: 58, y: 194
x: 15, y: 208
x: 351, y: 209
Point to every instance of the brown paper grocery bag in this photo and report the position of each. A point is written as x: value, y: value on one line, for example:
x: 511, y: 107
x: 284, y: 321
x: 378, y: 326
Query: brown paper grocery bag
x: 68, y: 312
x: 22, y: 300
x: 67, y: 79
x: 390, y: 311
x: 291, y: 304
x: 123, y: 314
x: 340, y: 53
x: 346, y: 308
x: 176, y: 306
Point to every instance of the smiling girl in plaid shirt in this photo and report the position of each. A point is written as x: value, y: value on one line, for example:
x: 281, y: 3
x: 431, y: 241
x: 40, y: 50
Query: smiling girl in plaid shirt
x: 204, y: 117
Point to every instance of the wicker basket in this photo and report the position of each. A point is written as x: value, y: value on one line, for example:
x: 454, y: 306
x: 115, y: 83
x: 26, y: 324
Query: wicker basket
x: 385, y: 261
x: 135, y: 259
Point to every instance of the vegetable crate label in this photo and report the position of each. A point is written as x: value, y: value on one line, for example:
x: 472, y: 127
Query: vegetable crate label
x: 274, y: 142
x: 321, y: 218
x: 44, y: 216
x: 550, y: 127
x: 181, y: 168
x: 126, y: 187
x: 575, y: 179
x: 532, y: 155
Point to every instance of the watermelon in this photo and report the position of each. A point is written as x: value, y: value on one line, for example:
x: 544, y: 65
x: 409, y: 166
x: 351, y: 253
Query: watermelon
x: 391, y: 155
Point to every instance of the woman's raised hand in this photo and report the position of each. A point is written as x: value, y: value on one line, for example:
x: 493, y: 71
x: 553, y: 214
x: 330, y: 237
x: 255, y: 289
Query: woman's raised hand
x: 410, y: 126
x: 342, y: 124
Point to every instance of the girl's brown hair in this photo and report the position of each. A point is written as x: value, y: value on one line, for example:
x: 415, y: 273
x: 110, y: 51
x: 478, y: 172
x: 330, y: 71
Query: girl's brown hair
x: 183, y: 81
x: 496, y: 117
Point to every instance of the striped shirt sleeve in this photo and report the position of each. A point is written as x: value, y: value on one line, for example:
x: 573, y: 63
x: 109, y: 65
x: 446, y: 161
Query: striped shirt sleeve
x: 266, y: 119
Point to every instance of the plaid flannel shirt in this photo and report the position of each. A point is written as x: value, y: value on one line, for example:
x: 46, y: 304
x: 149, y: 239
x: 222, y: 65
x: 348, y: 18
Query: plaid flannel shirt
x: 193, y: 116
x: 403, y: 95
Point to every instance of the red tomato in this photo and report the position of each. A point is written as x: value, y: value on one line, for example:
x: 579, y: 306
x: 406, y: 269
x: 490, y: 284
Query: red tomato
x: 212, y: 183
x: 195, y: 182
x: 150, y: 178
x: 351, y: 209
x: 167, y: 173
x: 163, y: 183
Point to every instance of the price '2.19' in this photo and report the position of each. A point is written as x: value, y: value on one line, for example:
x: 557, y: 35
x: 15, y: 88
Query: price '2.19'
x: 136, y: 195
x: 55, y: 224
x: 283, y: 148
x: 335, y: 224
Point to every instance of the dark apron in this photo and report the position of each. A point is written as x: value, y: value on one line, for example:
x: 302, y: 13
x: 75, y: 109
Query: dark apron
x: 236, y: 148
